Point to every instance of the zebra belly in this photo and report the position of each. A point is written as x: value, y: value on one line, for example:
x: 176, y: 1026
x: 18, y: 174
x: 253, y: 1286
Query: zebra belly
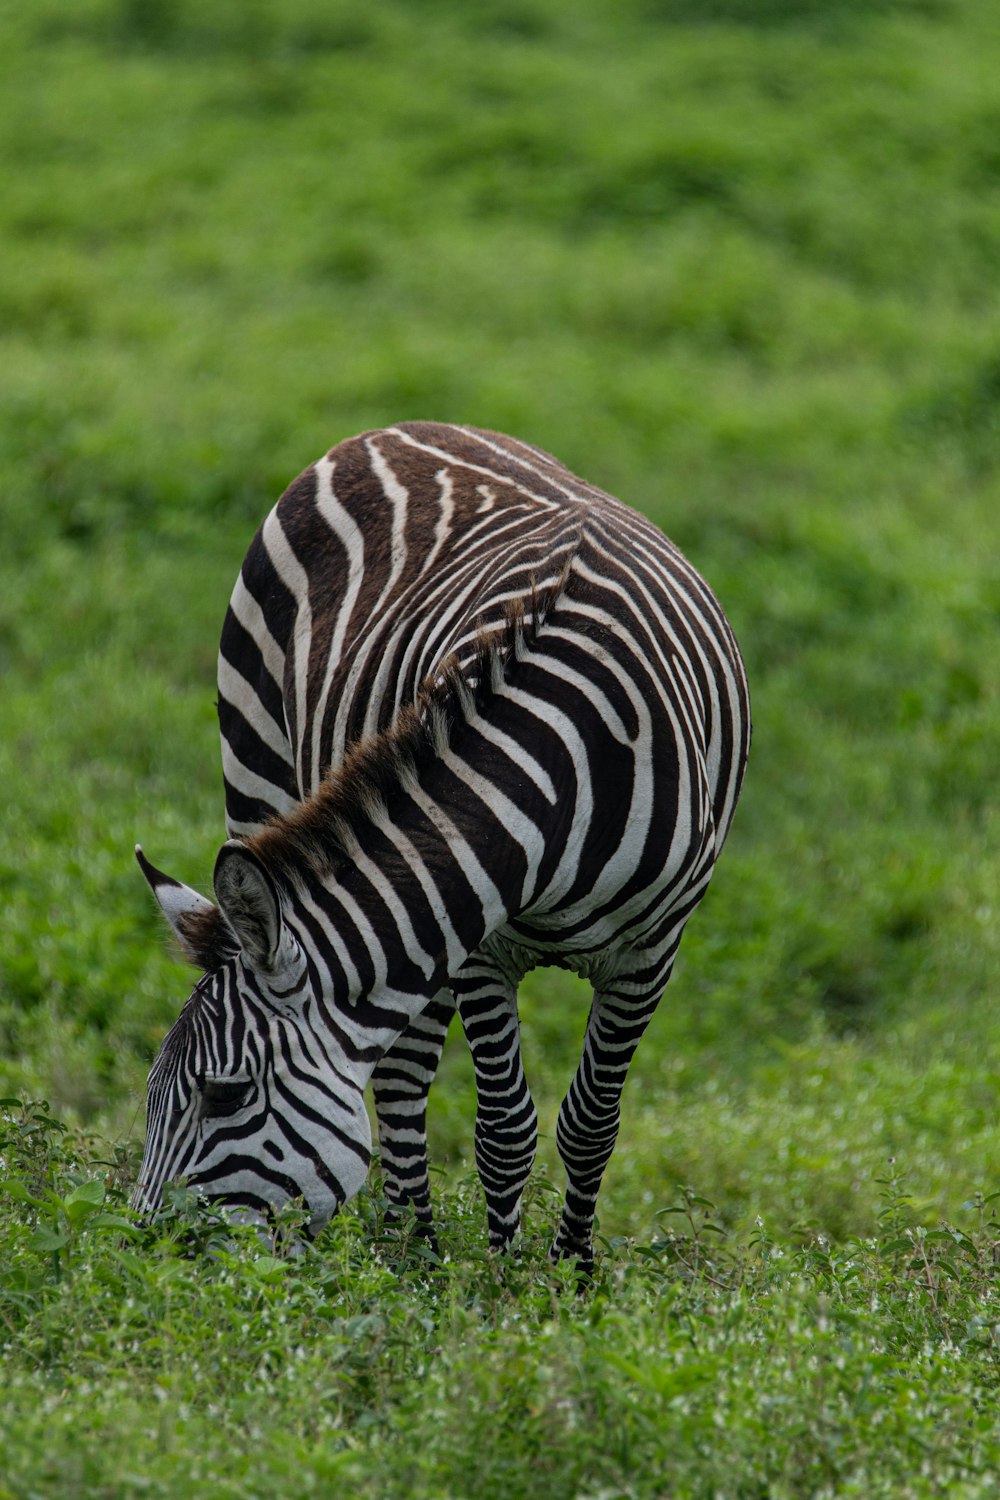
x: 612, y: 940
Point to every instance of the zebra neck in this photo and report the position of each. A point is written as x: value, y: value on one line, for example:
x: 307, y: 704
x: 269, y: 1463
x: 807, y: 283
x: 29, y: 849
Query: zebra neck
x: 389, y: 923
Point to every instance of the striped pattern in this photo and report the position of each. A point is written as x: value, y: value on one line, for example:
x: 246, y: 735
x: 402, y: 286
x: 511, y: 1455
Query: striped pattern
x: 476, y: 716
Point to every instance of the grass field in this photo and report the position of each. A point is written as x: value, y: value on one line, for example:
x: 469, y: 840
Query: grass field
x: 735, y: 261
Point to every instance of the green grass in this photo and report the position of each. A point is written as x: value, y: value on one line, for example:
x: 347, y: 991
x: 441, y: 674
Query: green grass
x: 736, y: 263
x: 192, y: 1358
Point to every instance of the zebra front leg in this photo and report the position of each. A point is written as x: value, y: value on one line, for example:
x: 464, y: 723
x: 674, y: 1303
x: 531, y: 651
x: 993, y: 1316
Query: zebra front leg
x: 506, y: 1122
x: 401, y: 1083
x: 587, y: 1127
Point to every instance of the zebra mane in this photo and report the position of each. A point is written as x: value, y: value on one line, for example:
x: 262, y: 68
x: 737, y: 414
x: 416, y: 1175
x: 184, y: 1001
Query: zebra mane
x: 328, y: 826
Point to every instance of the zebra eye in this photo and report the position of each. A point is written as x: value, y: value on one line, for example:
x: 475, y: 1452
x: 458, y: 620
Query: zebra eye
x: 224, y: 1096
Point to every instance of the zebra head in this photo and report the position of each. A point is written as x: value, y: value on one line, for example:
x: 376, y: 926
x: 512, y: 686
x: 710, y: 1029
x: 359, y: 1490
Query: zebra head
x: 244, y: 1099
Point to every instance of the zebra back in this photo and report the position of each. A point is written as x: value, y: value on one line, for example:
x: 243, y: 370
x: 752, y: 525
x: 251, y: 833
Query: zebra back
x: 392, y: 556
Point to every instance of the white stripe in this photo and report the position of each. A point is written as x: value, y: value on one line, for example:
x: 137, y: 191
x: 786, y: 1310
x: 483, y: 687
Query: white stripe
x: 398, y: 497
x: 349, y: 534
x: 521, y: 757
x: 454, y: 950
x: 296, y: 580
x: 515, y: 821
x: 491, y: 474
x: 235, y: 688
x: 250, y: 615
x: 251, y: 784
x: 442, y: 529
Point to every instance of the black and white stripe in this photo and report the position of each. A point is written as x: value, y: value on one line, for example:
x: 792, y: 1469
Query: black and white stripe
x: 476, y: 715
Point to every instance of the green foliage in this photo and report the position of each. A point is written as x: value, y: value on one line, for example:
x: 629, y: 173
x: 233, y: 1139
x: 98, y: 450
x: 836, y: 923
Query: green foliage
x: 735, y: 262
x: 193, y: 1354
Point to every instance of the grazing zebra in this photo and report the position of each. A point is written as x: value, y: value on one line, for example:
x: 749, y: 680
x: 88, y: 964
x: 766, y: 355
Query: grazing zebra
x: 476, y: 715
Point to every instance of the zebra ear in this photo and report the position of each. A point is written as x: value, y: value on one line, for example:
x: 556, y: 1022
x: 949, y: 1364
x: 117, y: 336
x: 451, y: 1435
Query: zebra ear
x: 251, y: 905
x: 197, y: 924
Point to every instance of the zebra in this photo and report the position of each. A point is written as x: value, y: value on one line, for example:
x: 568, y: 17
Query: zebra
x: 476, y: 715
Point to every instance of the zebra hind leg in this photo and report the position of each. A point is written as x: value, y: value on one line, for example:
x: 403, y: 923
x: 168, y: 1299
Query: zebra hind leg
x: 506, y: 1122
x: 401, y: 1083
x: 587, y: 1127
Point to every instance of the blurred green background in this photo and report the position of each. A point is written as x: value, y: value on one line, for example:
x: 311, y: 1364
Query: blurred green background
x: 736, y: 262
